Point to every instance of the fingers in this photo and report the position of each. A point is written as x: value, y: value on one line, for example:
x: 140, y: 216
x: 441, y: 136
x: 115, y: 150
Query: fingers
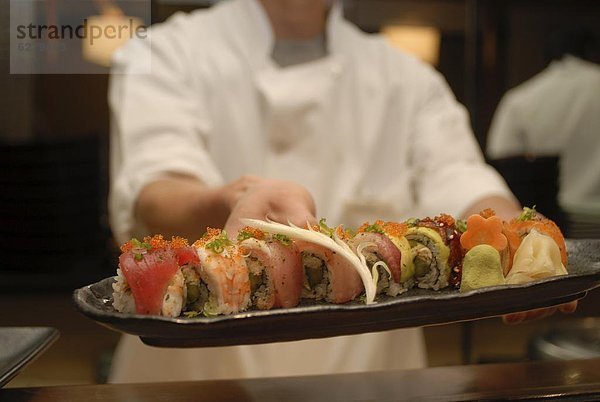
x: 278, y: 200
x: 568, y: 308
x: 516, y: 318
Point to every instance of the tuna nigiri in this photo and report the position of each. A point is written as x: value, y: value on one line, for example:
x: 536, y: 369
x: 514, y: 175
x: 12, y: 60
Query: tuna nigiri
x: 149, y: 280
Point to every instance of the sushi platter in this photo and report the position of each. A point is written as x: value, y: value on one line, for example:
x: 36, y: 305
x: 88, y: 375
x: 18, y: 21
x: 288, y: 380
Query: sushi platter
x: 317, y: 319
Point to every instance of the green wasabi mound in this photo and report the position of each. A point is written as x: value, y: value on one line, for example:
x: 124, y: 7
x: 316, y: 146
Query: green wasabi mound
x: 481, y: 268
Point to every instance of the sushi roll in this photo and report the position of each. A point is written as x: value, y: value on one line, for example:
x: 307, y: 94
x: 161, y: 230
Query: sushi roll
x: 224, y: 271
x: 327, y: 275
x: 436, y: 249
x: 387, y: 251
x: 332, y: 271
x: 189, y: 263
x: 149, y: 280
x: 275, y: 269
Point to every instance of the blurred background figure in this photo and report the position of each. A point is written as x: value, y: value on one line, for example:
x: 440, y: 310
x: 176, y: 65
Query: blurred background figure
x: 551, y: 124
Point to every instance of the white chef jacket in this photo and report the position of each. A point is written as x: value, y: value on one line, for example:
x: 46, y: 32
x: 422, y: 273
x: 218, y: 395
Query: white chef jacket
x: 557, y: 112
x: 371, y: 132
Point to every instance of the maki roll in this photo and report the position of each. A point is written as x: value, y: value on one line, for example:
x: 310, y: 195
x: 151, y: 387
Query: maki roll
x: 149, y: 280
x: 333, y: 272
x: 225, y: 273
x: 327, y: 275
x: 436, y: 250
x: 275, y: 269
x: 387, y: 252
x: 189, y: 263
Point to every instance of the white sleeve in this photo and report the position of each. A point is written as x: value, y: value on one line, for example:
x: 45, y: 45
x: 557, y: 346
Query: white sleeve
x: 449, y: 171
x: 506, y: 137
x: 158, y: 123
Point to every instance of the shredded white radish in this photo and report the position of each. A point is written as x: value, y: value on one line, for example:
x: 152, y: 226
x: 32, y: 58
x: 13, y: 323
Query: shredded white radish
x: 253, y: 244
x: 315, y: 237
x: 359, y: 250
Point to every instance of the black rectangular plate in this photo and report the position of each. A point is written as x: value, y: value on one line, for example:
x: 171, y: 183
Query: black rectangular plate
x: 19, y: 346
x: 416, y: 308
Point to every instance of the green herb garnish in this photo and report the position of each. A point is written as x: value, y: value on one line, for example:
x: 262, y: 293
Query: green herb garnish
x: 218, y: 245
x: 244, y: 235
x: 325, y: 229
x: 283, y: 239
x: 527, y: 214
x: 412, y: 222
x: 191, y: 314
x: 138, y: 244
x: 461, y: 225
x: 374, y: 228
x: 209, y: 314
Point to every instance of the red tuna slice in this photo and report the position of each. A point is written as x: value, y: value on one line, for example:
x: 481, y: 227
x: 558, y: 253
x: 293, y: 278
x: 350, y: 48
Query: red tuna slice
x: 385, y: 248
x: 149, y: 278
x: 344, y: 282
x: 186, y: 255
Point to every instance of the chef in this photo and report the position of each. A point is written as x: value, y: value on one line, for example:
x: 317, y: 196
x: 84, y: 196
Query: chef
x: 281, y: 108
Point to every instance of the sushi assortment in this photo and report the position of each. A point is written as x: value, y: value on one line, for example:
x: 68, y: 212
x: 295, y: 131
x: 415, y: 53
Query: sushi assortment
x: 272, y: 265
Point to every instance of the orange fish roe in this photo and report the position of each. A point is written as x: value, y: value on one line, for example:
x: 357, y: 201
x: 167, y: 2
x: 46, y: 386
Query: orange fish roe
x: 126, y: 247
x: 253, y: 232
x: 395, y: 229
x: 156, y: 241
x: 210, y: 234
x: 487, y: 213
x: 342, y: 233
x: 179, y: 242
x: 446, y: 219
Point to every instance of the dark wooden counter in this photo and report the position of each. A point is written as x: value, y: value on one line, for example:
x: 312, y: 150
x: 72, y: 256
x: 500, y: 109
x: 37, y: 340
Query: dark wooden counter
x: 565, y: 380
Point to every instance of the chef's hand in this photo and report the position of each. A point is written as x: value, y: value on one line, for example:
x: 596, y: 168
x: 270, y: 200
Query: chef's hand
x: 260, y: 198
x: 517, y: 318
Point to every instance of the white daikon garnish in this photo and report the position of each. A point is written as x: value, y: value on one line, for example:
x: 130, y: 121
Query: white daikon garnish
x: 315, y: 237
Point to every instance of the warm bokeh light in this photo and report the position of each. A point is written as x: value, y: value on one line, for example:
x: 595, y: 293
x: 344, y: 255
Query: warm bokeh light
x: 422, y: 41
x: 101, y: 49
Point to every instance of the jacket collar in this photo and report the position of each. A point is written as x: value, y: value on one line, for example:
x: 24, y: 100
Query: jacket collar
x: 255, y: 34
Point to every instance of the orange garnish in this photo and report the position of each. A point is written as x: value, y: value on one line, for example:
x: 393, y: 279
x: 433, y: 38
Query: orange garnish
x: 488, y: 213
x: 179, y: 242
x: 256, y: 233
x: 126, y: 247
x: 395, y: 229
x: 445, y: 219
x: 482, y: 230
x: 156, y: 241
x: 208, y: 236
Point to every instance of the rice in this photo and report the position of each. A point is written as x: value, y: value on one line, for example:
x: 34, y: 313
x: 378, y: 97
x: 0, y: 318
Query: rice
x: 438, y: 273
x: 262, y: 291
x: 123, y: 300
x: 315, y: 270
x: 174, y: 299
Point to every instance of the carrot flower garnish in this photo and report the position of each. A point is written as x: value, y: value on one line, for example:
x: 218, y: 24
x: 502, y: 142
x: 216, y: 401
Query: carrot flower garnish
x: 482, y: 230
